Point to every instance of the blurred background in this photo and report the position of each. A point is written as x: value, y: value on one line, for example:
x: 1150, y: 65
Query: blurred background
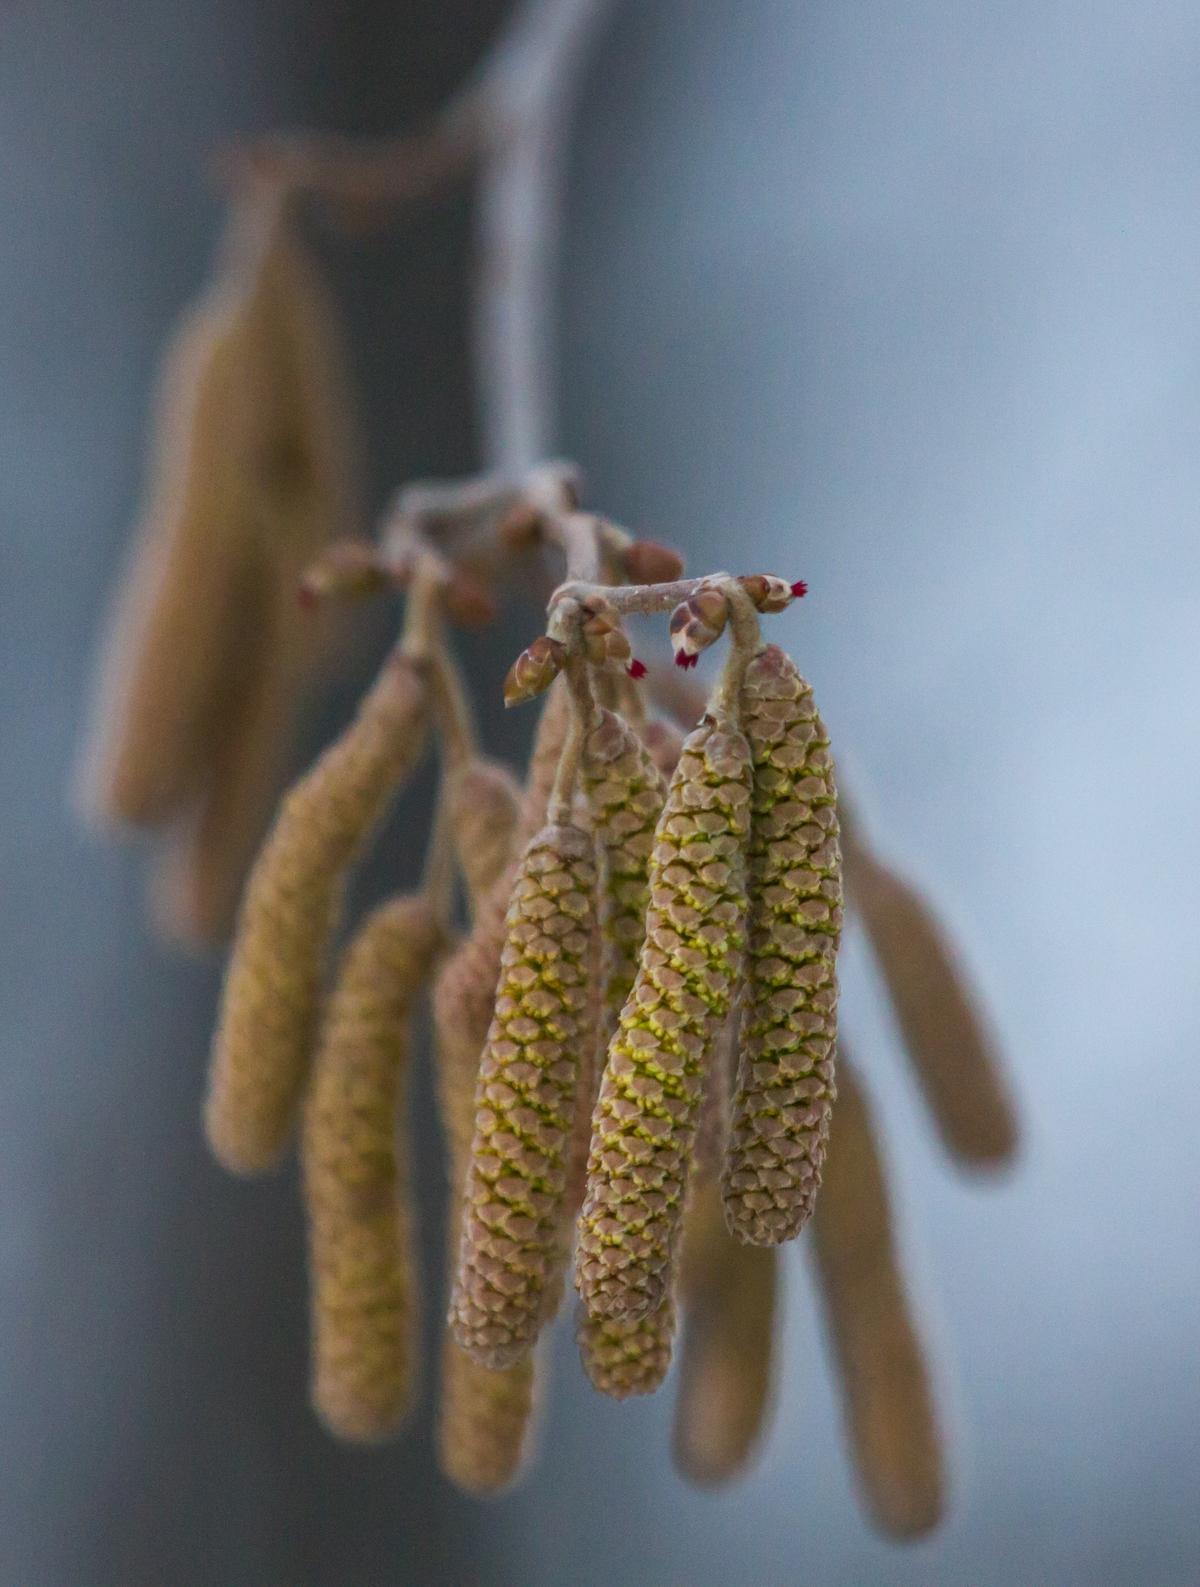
x: 901, y: 299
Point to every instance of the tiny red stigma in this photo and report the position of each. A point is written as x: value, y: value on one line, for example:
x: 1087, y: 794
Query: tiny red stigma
x: 799, y: 589
x: 682, y: 659
x: 636, y: 668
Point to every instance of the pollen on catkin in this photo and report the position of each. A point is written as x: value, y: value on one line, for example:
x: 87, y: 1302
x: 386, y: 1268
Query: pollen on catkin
x: 273, y: 985
x: 886, y: 1391
x: 727, y: 1351
x: 645, y: 1119
x: 785, y: 1085
x: 525, y: 1101
x: 363, y: 1268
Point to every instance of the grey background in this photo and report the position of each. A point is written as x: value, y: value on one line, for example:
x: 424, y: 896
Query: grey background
x: 901, y: 299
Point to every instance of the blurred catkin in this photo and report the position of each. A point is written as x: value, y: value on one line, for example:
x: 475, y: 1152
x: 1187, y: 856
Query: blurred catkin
x: 727, y: 1351
x: 254, y: 471
x: 785, y: 1086
x: 645, y: 1120
x: 273, y: 985
x: 363, y: 1267
x: 484, y: 1420
x: 483, y: 806
x: 525, y: 1101
x: 945, y: 1030
x: 887, y: 1395
x: 664, y: 741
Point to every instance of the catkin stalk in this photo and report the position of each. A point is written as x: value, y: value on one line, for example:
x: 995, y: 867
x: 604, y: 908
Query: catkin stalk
x: 945, y: 1031
x: 785, y: 1086
x: 727, y: 1355
x: 645, y: 1120
x: 363, y: 1265
x: 273, y: 984
x: 887, y: 1396
x: 525, y: 1098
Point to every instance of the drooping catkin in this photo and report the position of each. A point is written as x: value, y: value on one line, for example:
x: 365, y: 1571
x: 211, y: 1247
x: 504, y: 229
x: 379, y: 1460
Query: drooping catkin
x: 645, y: 1120
x: 484, y: 1416
x: 183, y: 589
x: 363, y: 1267
x: 625, y: 794
x: 525, y: 1101
x: 484, y: 1420
x: 273, y: 984
x: 624, y: 1356
x: 727, y: 1350
x: 887, y: 1395
x: 945, y: 1030
x: 483, y: 802
x: 785, y: 1086
x: 664, y: 741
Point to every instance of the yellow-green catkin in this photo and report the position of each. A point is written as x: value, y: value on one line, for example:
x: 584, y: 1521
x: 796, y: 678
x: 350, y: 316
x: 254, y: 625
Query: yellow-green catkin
x: 624, y: 1356
x: 363, y: 1266
x: 625, y: 794
x: 645, y: 1120
x: 887, y: 1395
x: 525, y: 1101
x: 727, y: 1354
x: 945, y: 1030
x: 785, y: 1086
x: 273, y: 985
x: 484, y: 1415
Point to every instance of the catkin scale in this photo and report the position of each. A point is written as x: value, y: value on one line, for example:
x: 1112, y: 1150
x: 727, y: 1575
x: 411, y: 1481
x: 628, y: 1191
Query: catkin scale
x: 625, y: 1356
x: 887, y: 1395
x: 525, y: 1098
x: 727, y: 1351
x: 645, y: 1119
x: 785, y: 1086
x: 951, y: 1048
x: 363, y: 1266
x: 273, y: 984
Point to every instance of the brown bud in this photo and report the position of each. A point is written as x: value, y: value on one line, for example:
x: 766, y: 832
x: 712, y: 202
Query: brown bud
x: 697, y: 622
x: 468, y: 602
x: 647, y: 562
x: 771, y: 594
x: 534, y: 670
x: 348, y: 570
x: 885, y: 1383
x: 605, y: 642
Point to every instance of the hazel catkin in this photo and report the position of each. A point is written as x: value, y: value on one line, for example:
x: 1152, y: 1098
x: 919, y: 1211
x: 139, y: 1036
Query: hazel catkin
x: 727, y: 1351
x: 483, y: 806
x: 273, y: 984
x: 525, y: 1101
x: 785, y: 1085
x: 945, y: 1030
x: 886, y: 1391
x: 645, y: 1119
x: 624, y: 1356
x: 363, y: 1268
